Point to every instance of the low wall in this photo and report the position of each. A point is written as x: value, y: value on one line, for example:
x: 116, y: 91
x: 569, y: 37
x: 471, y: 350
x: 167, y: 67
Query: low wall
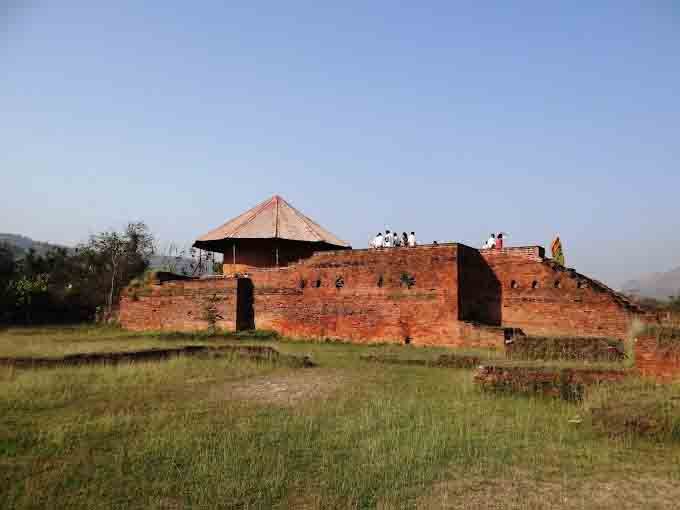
x: 652, y: 361
x: 180, y: 305
x: 564, y: 383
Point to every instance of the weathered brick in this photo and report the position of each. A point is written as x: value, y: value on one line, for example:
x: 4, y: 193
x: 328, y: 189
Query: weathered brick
x: 448, y: 294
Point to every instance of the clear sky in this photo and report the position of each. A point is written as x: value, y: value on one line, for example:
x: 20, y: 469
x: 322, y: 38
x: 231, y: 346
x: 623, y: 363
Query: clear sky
x: 453, y: 119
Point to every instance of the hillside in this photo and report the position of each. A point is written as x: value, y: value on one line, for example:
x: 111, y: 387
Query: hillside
x: 655, y: 285
x: 22, y: 244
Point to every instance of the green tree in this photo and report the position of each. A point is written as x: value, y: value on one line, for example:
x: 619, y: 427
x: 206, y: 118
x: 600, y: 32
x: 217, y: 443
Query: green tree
x: 118, y: 257
x: 27, y: 290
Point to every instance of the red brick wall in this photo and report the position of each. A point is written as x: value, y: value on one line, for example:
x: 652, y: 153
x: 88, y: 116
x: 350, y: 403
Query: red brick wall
x: 289, y: 301
x: 651, y: 361
x: 546, y: 299
x: 179, y: 305
x: 451, y: 283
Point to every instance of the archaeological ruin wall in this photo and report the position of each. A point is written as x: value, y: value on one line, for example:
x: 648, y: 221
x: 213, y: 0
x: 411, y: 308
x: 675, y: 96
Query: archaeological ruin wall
x: 449, y: 294
x: 180, y: 305
x: 397, y: 295
x: 544, y: 298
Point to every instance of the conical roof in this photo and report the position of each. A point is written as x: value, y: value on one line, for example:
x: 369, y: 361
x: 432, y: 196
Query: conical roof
x: 272, y: 219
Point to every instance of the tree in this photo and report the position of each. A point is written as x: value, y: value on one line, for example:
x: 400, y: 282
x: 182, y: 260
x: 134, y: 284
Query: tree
x: 8, y: 269
x: 7, y: 262
x: 27, y: 290
x: 119, y: 256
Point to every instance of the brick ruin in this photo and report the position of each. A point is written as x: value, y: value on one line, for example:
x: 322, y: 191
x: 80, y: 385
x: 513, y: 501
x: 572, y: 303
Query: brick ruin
x: 447, y: 294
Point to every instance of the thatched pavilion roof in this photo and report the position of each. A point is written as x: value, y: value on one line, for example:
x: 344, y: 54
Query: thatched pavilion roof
x: 272, y: 219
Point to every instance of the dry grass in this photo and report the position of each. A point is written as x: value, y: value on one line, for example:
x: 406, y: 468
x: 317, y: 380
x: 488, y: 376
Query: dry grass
x: 227, y: 433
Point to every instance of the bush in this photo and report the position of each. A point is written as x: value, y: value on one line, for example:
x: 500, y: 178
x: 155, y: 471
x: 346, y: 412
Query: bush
x: 565, y: 348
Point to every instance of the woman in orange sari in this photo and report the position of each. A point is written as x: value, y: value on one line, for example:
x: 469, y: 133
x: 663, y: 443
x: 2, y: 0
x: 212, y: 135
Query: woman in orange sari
x: 557, y: 252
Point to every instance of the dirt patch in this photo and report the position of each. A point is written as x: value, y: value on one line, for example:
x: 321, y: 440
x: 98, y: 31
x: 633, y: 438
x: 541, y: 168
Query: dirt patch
x: 524, y: 493
x: 252, y: 352
x: 284, y: 389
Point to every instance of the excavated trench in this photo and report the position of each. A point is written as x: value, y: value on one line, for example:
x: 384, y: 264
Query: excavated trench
x: 250, y: 352
x: 443, y: 361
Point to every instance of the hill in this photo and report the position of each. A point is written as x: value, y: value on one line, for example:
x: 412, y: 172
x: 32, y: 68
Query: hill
x: 655, y: 285
x: 22, y: 244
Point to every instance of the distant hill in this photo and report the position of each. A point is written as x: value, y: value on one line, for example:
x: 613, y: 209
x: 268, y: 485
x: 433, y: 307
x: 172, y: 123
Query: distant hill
x: 179, y: 265
x: 655, y: 285
x: 22, y: 244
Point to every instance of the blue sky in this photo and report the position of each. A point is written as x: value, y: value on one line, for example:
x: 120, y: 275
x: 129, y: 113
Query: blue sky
x: 450, y: 119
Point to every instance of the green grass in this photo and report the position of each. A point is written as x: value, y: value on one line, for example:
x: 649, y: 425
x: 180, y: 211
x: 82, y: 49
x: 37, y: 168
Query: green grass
x: 228, y: 433
x: 637, y: 408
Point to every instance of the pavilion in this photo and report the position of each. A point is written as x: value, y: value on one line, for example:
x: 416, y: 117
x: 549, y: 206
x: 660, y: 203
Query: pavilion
x: 271, y: 234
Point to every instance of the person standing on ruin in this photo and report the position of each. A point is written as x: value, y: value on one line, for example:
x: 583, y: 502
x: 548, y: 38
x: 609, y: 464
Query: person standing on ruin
x: 404, y: 239
x: 499, y: 241
x: 557, y: 251
x: 490, y: 243
x: 378, y: 241
x: 387, y: 240
x: 396, y: 242
x: 412, y: 240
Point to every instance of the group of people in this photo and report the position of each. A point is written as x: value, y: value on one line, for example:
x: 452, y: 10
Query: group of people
x: 393, y: 240
x: 495, y: 241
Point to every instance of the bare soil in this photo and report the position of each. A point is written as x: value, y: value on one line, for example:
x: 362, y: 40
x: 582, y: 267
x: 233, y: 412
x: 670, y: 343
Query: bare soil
x: 521, y: 492
x: 285, y: 389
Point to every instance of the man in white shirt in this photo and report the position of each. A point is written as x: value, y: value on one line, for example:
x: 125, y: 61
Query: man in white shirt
x: 387, y: 240
x: 412, y: 239
x: 490, y: 243
x: 378, y: 241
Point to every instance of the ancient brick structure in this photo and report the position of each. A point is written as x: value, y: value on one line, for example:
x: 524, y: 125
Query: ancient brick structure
x: 180, y: 305
x: 657, y: 362
x: 449, y: 294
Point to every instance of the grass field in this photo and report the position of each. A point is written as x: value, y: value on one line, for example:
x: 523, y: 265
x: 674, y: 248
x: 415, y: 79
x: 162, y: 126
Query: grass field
x: 230, y: 433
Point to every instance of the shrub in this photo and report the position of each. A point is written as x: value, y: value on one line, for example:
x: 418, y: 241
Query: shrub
x: 210, y: 313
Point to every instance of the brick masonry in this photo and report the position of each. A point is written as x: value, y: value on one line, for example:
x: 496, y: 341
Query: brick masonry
x: 652, y: 361
x: 179, y: 305
x: 555, y: 382
x: 395, y: 295
x: 448, y: 294
x: 543, y: 298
